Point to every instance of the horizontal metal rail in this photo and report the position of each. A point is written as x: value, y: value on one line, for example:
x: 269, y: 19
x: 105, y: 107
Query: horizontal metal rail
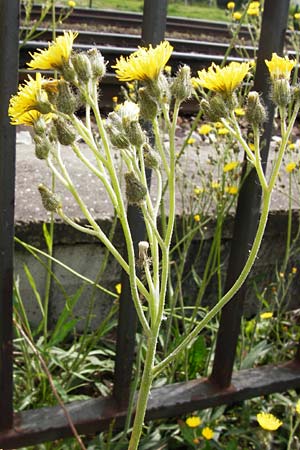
x: 95, y: 415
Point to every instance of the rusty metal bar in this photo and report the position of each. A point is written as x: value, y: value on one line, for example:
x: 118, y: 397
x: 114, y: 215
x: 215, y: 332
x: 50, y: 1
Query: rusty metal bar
x: 9, y: 39
x: 274, y: 24
x: 153, y: 30
x: 95, y: 415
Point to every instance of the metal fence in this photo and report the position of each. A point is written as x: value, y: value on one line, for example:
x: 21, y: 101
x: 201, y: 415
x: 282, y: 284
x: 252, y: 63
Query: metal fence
x: 223, y: 386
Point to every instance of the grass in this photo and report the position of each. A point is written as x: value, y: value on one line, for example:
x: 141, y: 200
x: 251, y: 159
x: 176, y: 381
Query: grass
x: 174, y: 8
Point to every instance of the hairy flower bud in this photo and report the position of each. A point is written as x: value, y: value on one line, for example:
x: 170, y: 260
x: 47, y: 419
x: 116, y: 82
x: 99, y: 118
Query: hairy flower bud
x: 40, y: 126
x: 152, y: 158
x: 215, y: 109
x: 97, y: 63
x: 135, y: 134
x: 117, y: 138
x: 51, y: 201
x: 68, y: 72
x: 281, y: 92
x: 182, y: 86
x: 135, y: 190
x: 148, y: 106
x: 66, y: 100
x: 255, y: 112
x: 82, y: 66
x: 42, y: 146
x: 64, y: 131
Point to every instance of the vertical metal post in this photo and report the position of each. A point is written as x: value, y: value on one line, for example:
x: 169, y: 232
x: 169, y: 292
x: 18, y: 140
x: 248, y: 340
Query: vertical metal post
x: 9, y: 39
x: 272, y: 35
x: 153, y: 31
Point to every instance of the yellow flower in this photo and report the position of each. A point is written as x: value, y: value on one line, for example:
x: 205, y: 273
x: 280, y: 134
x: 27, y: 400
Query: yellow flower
x: 254, y: 4
x: 281, y: 275
x: 251, y: 146
x: 205, y: 129
x: 266, y: 315
x: 232, y: 190
x: 253, y: 11
x: 144, y: 64
x: 191, y: 141
x: 237, y: 15
x: 29, y: 103
x: 218, y: 125
x: 297, y: 16
x: 230, y: 5
x: 215, y: 184
x: 290, y: 167
x: 230, y: 166
x: 294, y: 270
x: 292, y: 146
x: 280, y: 67
x: 268, y: 422
x: 197, y: 218
x: 168, y: 70
x: 115, y: 99
x: 55, y: 55
x: 223, y: 80
x: 118, y: 288
x: 239, y: 111
x: 298, y: 407
x: 207, y: 433
x: 71, y: 4
x: 222, y: 131
x: 193, y: 421
x: 198, y: 190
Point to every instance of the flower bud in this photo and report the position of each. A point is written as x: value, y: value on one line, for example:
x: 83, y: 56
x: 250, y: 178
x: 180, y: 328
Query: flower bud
x: 97, y: 63
x: 40, y: 126
x: 255, y: 112
x: 135, y: 190
x: 151, y: 157
x: 51, y: 201
x: 215, y: 109
x: 148, y: 106
x: 135, y: 134
x: 281, y: 92
x: 64, y: 131
x: 66, y: 100
x: 82, y: 66
x: 68, y: 72
x: 182, y: 86
x: 159, y: 89
x: 143, y: 251
x: 117, y: 138
x: 42, y: 146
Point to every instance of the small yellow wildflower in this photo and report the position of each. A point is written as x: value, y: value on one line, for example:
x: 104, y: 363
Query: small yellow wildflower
x: 251, y: 146
x: 222, y: 131
x: 115, y: 99
x: 29, y: 103
x: 144, y: 64
x: 118, y: 288
x: 197, y: 218
x: 191, y: 141
x: 281, y: 274
x: 198, y: 190
x: 254, y: 4
x: 232, y: 190
x: 193, y: 421
x: 56, y: 55
x: 215, y: 184
x: 239, y: 112
x: 230, y: 5
x: 292, y: 146
x: 223, y: 79
x: 71, y: 4
x: 205, y: 129
x: 290, y: 167
x: 266, y: 315
x: 253, y: 11
x: 294, y: 270
x: 218, y: 125
x: 297, y: 16
x: 298, y: 407
x: 168, y: 70
x: 207, y: 433
x: 237, y: 15
x: 280, y: 68
x: 230, y: 166
x: 268, y: 421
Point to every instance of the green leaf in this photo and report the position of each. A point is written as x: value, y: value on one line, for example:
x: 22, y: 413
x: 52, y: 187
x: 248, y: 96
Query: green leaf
x: 197, y: 356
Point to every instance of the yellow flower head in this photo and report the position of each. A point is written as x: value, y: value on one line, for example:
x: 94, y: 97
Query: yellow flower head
x: 215, y: 184
x: 237, y: 15
x: 223, y: 80
x: 191, y: 141
x: 280, y: 68
x: 266, y: 315
x: 232, y: 190
x: 294, y: 270
x: 230, y: 5
x: 297, y: 16
x: 230, y: 166
x: 253, y: 11
x: 197, y: 218
x: 144, y: 64
x: 198, y: 190
x: 268, y: 422
x: 254, y: 4
x: 205, y: 129
x: 193, y: 421
x: 71, y: 3
x: 239, y: 112
x: 298, y: 407
x: 118, y: 288
x: 290, y: 167
x: 27, y: 105
x: 207, y: 433
x: 222, y: 131
x: 55, y: 55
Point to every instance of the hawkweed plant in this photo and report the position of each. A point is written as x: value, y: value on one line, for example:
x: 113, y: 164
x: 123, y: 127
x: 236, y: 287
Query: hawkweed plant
x: 49, y: 107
